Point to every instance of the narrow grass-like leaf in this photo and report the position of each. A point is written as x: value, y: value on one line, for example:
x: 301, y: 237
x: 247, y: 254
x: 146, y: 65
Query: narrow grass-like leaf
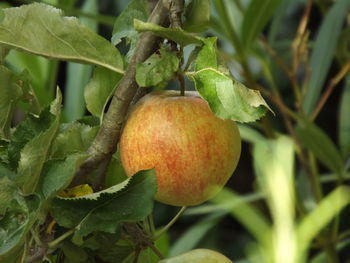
x: 246, y: 214
x: 317, y: 141
x: 255, y: 19
x: 195, y: 233
x: 323, y: 51
x: 273, y: 163
x: 42, y: 30
x: 314, y: 222
x: 344, y: 120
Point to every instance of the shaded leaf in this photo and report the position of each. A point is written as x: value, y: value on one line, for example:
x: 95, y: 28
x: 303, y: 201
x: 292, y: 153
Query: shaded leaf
x: 177, y: 35
x: 34, y: 153
x: 123, y: 26
x: 131, y: 200
x: 197, y: 16
x: 25, y: 131
x: 99, y: 89
x: 344, y: 120
x: 318, y: 142
x: 72, y: 138
x: 196, y: 233
x: 228, y: 98
x: 157, y: 68
x: 41, y: 29
x: 8, y: 189
x: 57, y: 174
x: 255, y: 19
x: 10, y: 94
x: 15, y: 223
x: 323, y: 51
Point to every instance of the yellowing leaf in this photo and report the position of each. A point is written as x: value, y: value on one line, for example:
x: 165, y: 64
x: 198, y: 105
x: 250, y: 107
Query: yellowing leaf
x: 79, y: 190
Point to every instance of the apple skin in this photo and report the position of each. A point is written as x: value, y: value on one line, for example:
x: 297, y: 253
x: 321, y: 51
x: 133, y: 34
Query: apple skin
x: 193, y: 151
x: 199, y: 255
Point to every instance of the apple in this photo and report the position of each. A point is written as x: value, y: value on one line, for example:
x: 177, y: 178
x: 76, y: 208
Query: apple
x: 193, y: 151
x: 199, y: 255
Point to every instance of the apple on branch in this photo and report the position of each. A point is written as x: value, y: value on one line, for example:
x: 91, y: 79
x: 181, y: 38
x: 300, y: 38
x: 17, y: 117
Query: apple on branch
x: 193, y: 151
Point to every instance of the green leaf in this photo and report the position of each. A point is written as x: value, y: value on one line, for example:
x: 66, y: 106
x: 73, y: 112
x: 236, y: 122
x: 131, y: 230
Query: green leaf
x: 99, y: 89
x: 207, y: 57
x: 344, y: 120
x: 72, y: 138
x: 8, y: 189
x: 123, y: 26
x: 177, y: 35
x: 15, y: 223
x: 323, y: 51
x: 10, y: 93
x: 328, y: 208
x: 318, y: 142
x: 246, y: 214
x: 273, y: 163
x: 73, y: 253
x: 34, y: 153
x: 195, y: 233
x: 42, y: 30
x: 131, y: 200
x: 157, y: 68
x: 26, y: 131
x: 14, y: 89
x: 249, y: 134
x: 255, y: 19
x: 228, y: 98
x: 57, y: 174
x: 197, y: 16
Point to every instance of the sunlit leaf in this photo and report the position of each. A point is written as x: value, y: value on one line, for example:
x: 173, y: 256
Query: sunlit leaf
x: 228, y: 98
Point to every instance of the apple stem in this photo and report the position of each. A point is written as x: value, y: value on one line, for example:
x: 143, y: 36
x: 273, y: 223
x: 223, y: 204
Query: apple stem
x: 172, y: 221
x: 182, y: 83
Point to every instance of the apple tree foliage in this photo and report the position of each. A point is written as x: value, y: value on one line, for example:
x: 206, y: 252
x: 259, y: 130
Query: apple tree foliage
x: 44, y: 219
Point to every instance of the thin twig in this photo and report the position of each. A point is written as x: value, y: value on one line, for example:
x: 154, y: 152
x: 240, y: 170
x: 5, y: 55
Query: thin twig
x: 172, y: 221
x: 332, y: 84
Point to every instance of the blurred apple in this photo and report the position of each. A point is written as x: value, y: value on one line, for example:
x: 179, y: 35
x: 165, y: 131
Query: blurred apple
x: 200, y: 255
x: 193, y: 151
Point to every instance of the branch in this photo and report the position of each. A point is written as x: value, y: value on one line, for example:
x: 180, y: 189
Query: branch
x: 108, y: 136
